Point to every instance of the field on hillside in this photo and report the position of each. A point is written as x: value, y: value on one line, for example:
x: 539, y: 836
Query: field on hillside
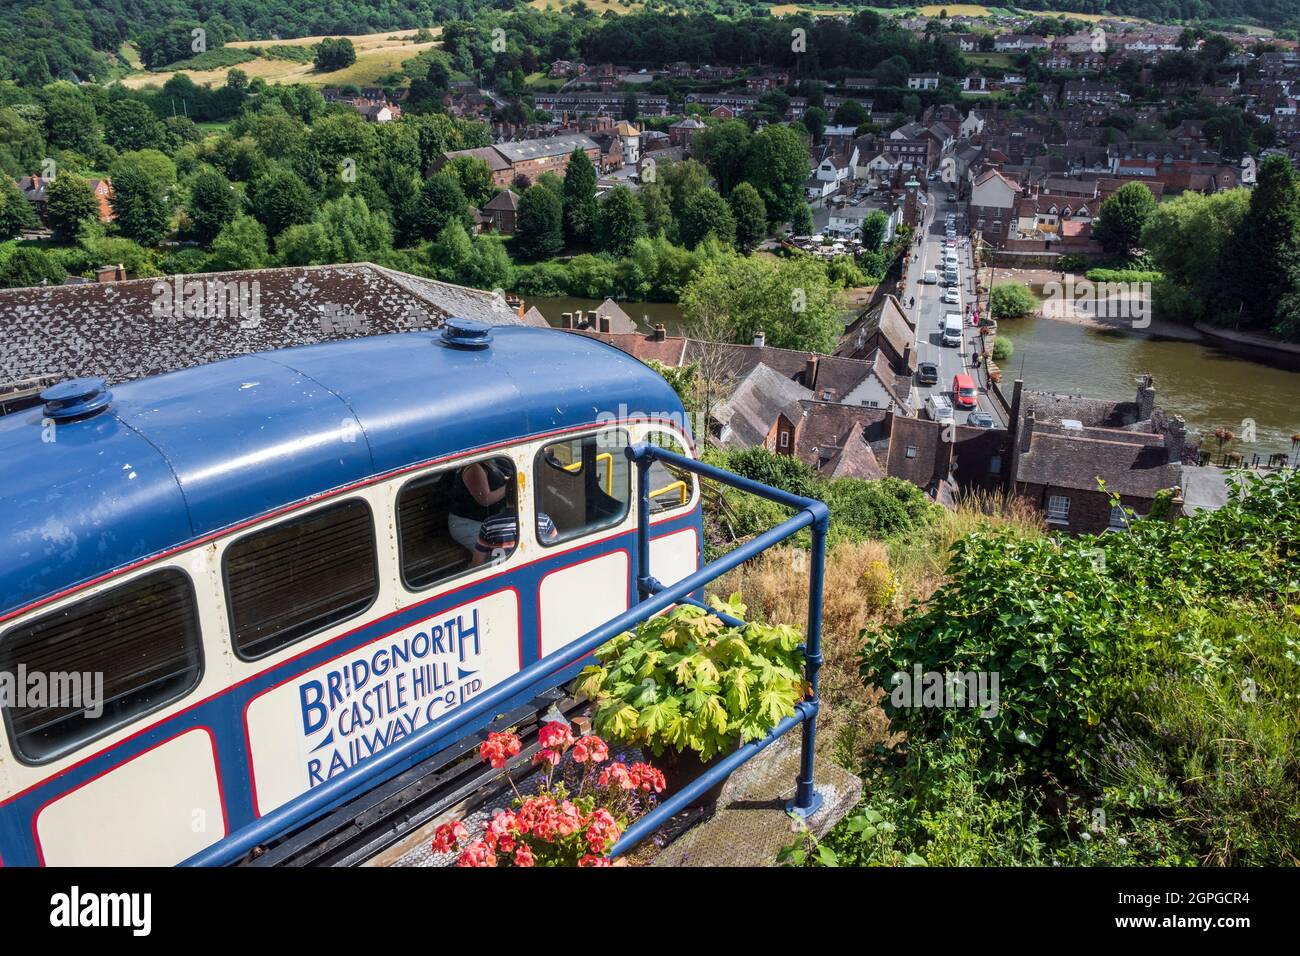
x: 599, y: 7
x: 377, y: 54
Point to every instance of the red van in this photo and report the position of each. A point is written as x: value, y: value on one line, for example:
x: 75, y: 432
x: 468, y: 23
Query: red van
x: 963, y: 391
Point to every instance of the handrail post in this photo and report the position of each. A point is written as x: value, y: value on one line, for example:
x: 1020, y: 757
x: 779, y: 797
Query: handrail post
x: 643, y: 463
x: 807, y: 800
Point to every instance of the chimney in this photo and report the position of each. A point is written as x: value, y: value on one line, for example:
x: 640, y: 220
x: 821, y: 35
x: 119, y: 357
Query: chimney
x: 604, y: 322
x: 760, y: 338
x: 566, y: 320
x: 1146, y: 397
x: 907, y: 359
x: 1027, y: 439
x: 810, y: 372
x: 1175, y: 436
x: 660, y: 333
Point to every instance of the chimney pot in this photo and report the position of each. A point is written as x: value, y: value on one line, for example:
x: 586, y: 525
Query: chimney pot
x: 566, y: 320
x: 810, y: 372
x: 604, y: 322
x: 760, y: 338
x: 661, y: 333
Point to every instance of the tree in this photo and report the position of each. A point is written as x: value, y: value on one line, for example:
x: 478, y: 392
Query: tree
x: 27, y: 266
x: 777, y: 166
x: 801, y: 223
x: 130, y: 124
x: 631, y: 108
x: 874, y: 228
x: 620, y: 222
x: 851, y: 113
x: 212, y: 205
x: 16, y: 213
x: 343, y: 230
x: 153, y: 163
x: 707, y: 213
x: 814, y: 121
x: 682, y: 180
x: 750, y: 214
x: 1122, y: 217
x: 139, y: 212
x: 579, y: 198
x: 1185, y: 236
x: 281, y: 199
x: 722, y: 147
x: 69, y: 203
x: 790, y: 300
x: 1011, y: 301
x: 334, y: 53
x: 70, y: 120
x: 658, y: 213
x: 475, y: 178
x: 441, y: 201
x: 240, y: 245
x: 1259, y: 265
x: 539, y: 231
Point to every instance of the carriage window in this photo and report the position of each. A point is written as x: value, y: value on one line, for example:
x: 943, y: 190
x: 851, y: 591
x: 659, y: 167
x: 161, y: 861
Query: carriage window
x: 300, y: 576
x: 582, y: 485
x: 670, y: 486
x: 457, y: 520
x: 104, y: 661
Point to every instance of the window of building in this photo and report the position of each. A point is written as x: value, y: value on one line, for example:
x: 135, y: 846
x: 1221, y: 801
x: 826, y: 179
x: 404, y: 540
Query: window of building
x: 911, y: 451
x: 300, y: 576
x: 457, y: 520
x: 784, y: 441
x: 1118, y: 518
x: 1058, y: 508
x: 995, y: 464
x: 143, y: 637
x: 583, y: 484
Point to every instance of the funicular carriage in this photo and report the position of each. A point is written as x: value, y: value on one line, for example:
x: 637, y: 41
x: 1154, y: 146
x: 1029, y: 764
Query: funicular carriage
x: 261, y: 559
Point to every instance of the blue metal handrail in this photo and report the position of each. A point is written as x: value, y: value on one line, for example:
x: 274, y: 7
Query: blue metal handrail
x: 654, y: 598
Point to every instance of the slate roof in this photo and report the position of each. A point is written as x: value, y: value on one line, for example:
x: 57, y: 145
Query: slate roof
x: 1091, y: 412
x: 126, y: 330
x: 755, y: 403
x: 1136, y: 468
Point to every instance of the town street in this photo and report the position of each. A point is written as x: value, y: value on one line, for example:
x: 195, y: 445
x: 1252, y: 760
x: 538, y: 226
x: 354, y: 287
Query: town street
x: 929, y: 311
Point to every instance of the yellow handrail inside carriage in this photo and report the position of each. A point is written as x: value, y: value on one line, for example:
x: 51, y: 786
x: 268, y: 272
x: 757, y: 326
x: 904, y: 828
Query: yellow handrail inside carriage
x: 608, y: 460
x: 680, y: 486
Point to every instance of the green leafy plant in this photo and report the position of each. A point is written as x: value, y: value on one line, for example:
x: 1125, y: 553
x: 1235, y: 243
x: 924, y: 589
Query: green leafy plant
x: 686, y: 681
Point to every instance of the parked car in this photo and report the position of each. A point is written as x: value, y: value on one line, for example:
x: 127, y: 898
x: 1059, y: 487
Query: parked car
x: 927, y: 373
x: 952, y: 197
x: 978, y: 419
x: 951, y: 296
x: 964, y: 394
x: 931, y: 278
x: 950, y: 242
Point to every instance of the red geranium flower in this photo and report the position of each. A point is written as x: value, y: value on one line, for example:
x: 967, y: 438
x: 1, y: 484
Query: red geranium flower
x: 590, y: 748
x: 592, y: 860
x: 524, y: 856
x: 498, y: 748
x: 448, y: 836
x: 477, y: 854
x: 555, y: 736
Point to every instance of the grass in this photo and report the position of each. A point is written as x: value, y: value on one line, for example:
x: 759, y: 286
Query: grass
x: 377, y: 54
x: 866, y: 583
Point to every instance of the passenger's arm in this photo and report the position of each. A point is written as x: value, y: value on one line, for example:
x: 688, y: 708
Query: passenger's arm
x: 476, y: 482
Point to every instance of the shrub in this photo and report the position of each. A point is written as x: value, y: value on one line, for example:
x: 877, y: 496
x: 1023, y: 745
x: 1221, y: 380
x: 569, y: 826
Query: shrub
x: 1123, y: 275
x: 686, y: 681
x: 1012, y: 301
x: 1002, y: 348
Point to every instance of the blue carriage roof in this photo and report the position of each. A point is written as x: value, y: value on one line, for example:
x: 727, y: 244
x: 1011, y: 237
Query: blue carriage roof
x: 178, y: 456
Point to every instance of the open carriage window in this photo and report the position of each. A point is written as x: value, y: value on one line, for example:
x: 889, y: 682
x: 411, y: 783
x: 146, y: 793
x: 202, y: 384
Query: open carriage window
x: 457, y: 520
x: 583, y: 485
x: 670, y: 486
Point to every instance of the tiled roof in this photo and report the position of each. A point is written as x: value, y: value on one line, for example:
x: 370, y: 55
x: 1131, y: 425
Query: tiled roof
x: 126, y: 330
x: 1137, y: 468
x: 755, y: 404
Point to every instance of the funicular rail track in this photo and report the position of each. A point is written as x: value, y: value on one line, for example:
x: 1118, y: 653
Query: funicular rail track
x: 367, y: 825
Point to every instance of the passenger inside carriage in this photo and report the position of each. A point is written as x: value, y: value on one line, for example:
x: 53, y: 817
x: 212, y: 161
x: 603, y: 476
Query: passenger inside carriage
x: 477, y: 493
x: 498, y: 535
